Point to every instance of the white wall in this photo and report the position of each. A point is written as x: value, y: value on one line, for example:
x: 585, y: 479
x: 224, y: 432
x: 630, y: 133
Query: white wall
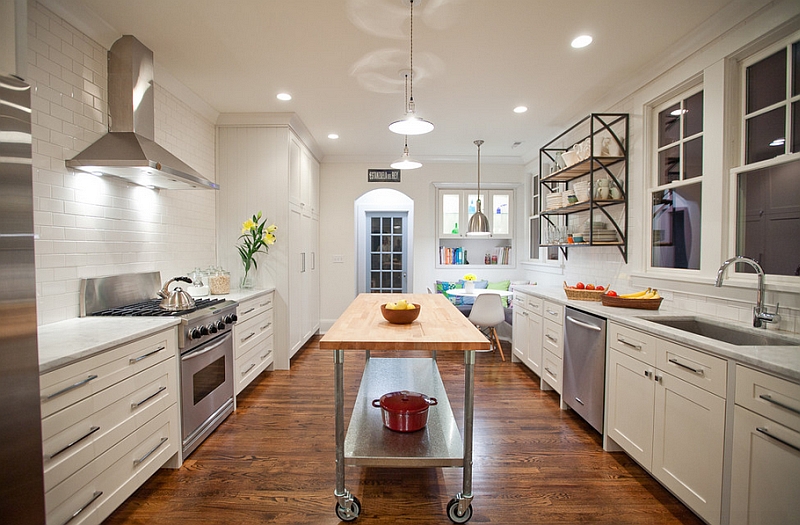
x: 692, y: 291
x: 88, y: 226
x: 341, y: 184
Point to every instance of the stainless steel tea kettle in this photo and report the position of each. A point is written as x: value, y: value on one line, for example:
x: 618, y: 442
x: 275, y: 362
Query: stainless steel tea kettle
x: 177, y: 299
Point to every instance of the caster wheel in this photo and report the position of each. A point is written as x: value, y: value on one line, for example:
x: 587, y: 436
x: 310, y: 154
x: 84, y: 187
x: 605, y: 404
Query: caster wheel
x: 355, y: 510
x: 452, y: 512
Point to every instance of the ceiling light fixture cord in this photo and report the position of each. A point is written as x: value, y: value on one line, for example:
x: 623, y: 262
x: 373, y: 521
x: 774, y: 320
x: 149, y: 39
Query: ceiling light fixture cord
x: 411, y: 60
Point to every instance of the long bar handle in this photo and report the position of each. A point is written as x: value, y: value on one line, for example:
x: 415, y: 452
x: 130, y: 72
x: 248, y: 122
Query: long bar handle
x: 779, y: 440
x: 248, y: 336
x: 192, y: 355
x: 549, y: 372
x: 91, y: 431
x: 247, y: 311
x: 687, y: 367
x: 584, y: 325
x: 266, y: 355
x: 71, y: 387
x: 150, y: 452
x: 551, y: 312
x: 767, y: 397
x: 145, y: 356
x: 252, y: 366
x: 75, y: 514
x: 266, y: 326
x: 631, y: 345
x: 148, y: 398
x: 551, y: 338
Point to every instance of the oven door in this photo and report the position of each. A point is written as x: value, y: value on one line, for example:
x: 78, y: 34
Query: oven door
x: 206, y: 389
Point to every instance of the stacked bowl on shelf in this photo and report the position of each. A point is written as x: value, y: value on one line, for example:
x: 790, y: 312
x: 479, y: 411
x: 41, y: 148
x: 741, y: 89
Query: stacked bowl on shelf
x: 554, y: 200
x: 582, y: 190
x: 599, y: 232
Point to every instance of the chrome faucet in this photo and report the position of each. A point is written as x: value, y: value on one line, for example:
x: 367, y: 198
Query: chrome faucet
x: 760, y: 313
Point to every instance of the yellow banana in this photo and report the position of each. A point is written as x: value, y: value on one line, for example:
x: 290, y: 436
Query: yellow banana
x: 634, y: 295
x: 649, y: 295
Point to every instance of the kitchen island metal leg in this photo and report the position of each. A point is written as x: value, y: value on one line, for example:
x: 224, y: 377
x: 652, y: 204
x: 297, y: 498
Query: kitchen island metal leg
x: 347, y: 506
x: 459, y: 509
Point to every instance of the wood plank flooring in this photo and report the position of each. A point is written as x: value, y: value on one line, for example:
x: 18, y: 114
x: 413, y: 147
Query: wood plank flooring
x: 273, y: 460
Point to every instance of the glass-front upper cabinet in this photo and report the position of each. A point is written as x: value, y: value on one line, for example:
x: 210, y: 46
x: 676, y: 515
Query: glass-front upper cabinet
x: 457, y: 206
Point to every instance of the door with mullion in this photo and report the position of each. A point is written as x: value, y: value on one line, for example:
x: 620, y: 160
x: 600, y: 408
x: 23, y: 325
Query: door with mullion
x: 387, y: 256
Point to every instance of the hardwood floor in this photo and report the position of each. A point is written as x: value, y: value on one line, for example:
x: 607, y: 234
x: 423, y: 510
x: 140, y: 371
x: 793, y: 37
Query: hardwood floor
x: 273, y: 460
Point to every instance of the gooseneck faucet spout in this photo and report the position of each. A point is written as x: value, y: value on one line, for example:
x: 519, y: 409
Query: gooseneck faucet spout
x: 760, y: 314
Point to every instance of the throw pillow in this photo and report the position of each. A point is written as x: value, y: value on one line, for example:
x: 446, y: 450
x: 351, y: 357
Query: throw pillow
x: 443, y: 286
x: 500, y: 285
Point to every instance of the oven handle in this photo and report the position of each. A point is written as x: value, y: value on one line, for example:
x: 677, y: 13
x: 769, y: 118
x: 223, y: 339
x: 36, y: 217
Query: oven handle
x: 192, y: 355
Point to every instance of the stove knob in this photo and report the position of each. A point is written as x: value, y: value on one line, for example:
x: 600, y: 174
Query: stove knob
x: 203, y: 330
x: 212, y: 328
x: 195, y: 333
x: 220, y: 325
x: 231, y: 318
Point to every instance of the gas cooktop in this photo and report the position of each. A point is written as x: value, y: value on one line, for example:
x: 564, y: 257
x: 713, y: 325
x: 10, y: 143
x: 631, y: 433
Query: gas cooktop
x: 151, y: 307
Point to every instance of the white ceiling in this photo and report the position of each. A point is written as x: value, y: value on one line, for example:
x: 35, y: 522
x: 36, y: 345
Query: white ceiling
x: 475, y: 61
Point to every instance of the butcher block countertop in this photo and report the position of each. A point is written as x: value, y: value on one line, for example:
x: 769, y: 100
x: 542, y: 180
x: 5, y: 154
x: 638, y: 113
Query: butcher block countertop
x: 440, y: 326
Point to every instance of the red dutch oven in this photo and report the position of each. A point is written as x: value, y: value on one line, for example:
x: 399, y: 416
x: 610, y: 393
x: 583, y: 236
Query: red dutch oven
x: 404, y: 411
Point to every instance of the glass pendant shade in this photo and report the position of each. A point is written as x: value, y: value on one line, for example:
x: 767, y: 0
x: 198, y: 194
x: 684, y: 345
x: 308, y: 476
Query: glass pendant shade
x: 478, y: 224
x: 411, y: 125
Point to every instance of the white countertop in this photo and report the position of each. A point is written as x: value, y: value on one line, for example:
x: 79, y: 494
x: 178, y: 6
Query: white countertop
x: 74, y: 339
x: 783, y: 361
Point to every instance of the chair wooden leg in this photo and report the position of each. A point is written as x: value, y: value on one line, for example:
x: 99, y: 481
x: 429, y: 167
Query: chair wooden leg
x: 497, y: 342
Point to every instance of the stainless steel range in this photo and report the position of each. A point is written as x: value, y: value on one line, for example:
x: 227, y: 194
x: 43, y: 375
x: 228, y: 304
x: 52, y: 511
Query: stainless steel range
x: 205, y: 341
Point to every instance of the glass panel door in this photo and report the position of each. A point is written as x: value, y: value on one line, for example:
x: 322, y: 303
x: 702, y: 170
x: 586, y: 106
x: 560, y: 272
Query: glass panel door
x: 388, y: 259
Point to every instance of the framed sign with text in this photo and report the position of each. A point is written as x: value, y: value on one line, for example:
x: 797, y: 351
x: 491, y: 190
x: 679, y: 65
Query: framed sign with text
x: 383, y: 175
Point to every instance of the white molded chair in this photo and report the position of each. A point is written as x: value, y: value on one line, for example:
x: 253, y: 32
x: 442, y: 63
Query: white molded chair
x: 487, y: 312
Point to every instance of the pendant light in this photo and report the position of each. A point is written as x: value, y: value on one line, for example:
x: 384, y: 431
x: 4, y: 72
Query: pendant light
x: 405, y: 162
x: 478, y: 223
x: 411, y: 124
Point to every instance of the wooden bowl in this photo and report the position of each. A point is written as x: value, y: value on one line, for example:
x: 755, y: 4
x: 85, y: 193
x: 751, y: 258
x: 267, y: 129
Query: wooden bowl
x: 641, y: 304
x: 400, y: 316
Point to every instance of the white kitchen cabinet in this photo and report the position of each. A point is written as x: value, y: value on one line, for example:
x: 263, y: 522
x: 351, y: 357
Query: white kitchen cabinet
x: 108, y: 423
x: 268, y: 162
x: 766, y: 450
x: 666, y: 409
x: 527, y: 331
x: 552, y: 347
x: 253, y: 339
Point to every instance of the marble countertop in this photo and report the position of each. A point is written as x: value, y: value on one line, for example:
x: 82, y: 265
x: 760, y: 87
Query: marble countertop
x: 783, y: 361
x: 68, y: 341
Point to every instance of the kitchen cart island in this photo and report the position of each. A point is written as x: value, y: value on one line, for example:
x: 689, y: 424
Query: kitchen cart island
x: 440, y: 327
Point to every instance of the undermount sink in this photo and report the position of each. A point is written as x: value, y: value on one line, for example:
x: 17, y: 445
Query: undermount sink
x: 724, y: 332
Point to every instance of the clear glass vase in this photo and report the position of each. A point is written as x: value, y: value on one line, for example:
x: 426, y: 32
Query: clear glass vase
x: 248, y: 279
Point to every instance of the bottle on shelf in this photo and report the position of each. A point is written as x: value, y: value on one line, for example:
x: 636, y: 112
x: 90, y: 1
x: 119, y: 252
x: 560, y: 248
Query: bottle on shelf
x: 455, y: 230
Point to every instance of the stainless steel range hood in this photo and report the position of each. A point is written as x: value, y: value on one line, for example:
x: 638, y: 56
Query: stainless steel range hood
x: 129, y: 150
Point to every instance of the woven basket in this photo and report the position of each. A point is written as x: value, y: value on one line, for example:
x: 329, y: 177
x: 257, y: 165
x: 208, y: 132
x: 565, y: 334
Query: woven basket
x: 642, y: 304
x: 584, y: 295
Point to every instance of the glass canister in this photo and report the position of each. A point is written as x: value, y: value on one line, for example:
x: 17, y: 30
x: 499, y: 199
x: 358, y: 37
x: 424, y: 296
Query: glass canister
x: 220, y: 282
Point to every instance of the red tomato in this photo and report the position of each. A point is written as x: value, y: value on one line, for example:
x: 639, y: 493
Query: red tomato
x: 580, y: 286
x: 590, y: 286
x: 601, y: 288
x: 611, y: 293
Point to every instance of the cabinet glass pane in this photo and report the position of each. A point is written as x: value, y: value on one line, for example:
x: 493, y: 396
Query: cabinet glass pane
x: 766, y: 82
x: 796, y: 69
x: 693, y: 158
x: 534, y: 238
x: 795, y: 127
x: 676, y: 227
x: 669, y: 130
x: 375, y: 225
x: 765, y: 136
x: 693, y: 115
x: 500, y: 219
x: 668, y: 165
x: 451, y: 204
x: 471, y: 206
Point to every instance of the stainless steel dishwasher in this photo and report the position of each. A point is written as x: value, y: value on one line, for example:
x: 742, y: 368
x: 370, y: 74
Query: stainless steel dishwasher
x: 584, y: 365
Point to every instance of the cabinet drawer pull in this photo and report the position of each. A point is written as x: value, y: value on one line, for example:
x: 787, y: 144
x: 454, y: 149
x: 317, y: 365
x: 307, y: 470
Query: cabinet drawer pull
x: 765, y: 431
x: 262, y: 305
x: 245, y: 338
x: 150, y: 453
x: 266, y: 355
x: 551, y: 312
x: 549, y: 372
x: 648, y: 373
x: 266, y: 326
x: 626, y: 343
x: 551, y: 338
x: 145, y: 356
x: 767, y: 397
x: 247, y: 311
x: 91, y: 431
x: 252, y: 366
x: 148, y: 398
x: 75, y: 514
x: 687, y: 367
x: 71, y: 387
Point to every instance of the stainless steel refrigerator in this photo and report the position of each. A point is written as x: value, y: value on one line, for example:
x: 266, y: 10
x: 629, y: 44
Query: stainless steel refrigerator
x: 21, y: 477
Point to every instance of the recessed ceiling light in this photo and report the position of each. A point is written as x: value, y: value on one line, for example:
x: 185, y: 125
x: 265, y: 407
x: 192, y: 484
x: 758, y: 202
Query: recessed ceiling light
x: 520, y: 109
x: 284, y: 96
x: 581, y: 41
x: 333, y: 136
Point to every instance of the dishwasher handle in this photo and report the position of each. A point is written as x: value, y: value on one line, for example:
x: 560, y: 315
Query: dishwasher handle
x: 584, y: 325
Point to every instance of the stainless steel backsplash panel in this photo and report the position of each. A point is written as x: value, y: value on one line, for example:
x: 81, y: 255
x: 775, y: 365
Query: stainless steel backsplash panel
x: 102, y: 293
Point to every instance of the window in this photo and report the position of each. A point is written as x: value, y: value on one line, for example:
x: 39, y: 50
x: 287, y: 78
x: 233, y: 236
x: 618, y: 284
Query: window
x: 676, y: 198
x: 551, y: 253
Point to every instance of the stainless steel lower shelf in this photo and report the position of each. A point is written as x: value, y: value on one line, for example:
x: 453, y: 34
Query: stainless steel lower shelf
x: 368, y: 443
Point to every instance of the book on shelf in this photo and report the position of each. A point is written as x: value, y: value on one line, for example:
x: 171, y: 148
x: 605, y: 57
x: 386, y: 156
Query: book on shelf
x: 452, y: 255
